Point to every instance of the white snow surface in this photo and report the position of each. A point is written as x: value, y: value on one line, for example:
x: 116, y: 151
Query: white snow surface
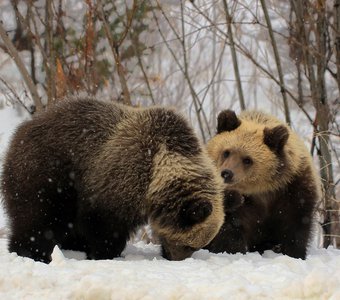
x: 144, y: 274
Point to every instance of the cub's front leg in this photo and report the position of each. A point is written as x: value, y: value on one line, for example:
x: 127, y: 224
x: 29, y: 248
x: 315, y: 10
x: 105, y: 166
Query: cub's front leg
x: 231, y: 238
x: 232, y: 200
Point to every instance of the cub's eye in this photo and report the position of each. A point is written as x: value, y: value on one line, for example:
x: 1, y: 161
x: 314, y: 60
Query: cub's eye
x: 247, y: 161
x: 226, y: 154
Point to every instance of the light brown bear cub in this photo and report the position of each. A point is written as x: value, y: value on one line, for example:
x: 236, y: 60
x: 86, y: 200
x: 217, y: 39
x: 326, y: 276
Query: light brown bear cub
x: 271, y: 186
x: 86, y: 174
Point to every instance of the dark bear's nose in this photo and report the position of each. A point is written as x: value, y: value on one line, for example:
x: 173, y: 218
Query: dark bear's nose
x: 227, y: 175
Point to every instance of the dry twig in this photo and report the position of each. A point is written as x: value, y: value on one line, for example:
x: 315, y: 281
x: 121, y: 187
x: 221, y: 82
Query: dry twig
x: 27, y: 78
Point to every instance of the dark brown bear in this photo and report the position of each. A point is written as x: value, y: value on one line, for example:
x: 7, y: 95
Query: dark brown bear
x: 85, y: 174
x: 271, y: 186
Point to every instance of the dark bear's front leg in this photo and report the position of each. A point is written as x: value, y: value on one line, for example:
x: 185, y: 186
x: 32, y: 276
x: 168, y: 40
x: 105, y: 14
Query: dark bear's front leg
x: 36, y: 225
x: 34, y: 239
x: 105, y: 237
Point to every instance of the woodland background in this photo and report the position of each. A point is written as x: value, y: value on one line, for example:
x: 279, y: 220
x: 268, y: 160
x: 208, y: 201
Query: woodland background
x: 279, y: 56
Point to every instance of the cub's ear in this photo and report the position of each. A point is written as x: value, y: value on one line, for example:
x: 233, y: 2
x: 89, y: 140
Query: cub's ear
x: 275, y: 138
x: 194, y: 212
x: 227, y: 121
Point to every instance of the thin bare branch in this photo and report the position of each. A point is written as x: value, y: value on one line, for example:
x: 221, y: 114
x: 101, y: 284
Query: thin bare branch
x: 20, y: 65
x: 234, y: 56
x: 277, y: 60
x: 16, y: 96
x: 114, y: 45
x: 195, y: 98
x: 184, y: 69
x: 244, y: 50
x: 141, y: 65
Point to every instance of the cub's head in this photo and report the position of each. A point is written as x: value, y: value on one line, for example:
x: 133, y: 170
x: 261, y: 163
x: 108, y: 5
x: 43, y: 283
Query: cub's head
x: 185, y: 199
x: 250, y: 153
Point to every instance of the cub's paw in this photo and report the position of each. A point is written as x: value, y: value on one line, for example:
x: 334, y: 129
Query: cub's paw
x: 232, y: 200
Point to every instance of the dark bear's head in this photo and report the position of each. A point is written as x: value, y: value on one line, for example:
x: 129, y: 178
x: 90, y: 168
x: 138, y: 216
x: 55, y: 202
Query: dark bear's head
x: 249, y: 154
x: 185, y: 202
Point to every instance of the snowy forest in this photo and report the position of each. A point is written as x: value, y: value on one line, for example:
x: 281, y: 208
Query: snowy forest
x: 201, y: 57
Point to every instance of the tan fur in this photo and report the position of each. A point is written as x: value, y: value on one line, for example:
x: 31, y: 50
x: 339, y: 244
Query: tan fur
x: 169, y: 166
x: 248, y: 140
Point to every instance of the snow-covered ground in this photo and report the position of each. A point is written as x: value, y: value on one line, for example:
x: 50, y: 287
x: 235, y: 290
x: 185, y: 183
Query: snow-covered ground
x: 143, y: 274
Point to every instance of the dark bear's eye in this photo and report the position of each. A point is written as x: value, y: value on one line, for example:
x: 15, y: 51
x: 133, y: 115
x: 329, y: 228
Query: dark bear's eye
x: 226, y: 154
x: 247, y: 161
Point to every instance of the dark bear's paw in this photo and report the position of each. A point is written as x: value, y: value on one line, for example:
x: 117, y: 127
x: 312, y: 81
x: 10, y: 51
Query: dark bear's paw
x: 232, y: 200
x: 193, y: 212
x: 38, y: 249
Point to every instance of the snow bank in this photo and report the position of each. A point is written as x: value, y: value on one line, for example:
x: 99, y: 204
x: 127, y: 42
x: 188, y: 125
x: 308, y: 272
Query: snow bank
x: 143, y: 274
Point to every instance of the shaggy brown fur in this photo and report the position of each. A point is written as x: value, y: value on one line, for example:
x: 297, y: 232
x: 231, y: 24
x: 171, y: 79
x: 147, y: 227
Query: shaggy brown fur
x: 85, y: 174
x: 271, y: 186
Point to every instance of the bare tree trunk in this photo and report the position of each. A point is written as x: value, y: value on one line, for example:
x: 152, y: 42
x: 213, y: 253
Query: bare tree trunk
x: 51, y: 71
x: 332, y: 228
x: 319, y: 97
x: 277, y: 60
x: 213, y: 114
x: 89, y: 54
x: 27, y: 78
x: 234, y: 56
x: 299, y: 84
x: 337, y: 37
x: 24, y: 42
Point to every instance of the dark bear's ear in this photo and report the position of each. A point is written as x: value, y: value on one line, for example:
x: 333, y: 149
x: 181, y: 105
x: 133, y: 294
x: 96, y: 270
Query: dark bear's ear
x: 275, y: 138
x: 227, y: 121
x: 194, y: 212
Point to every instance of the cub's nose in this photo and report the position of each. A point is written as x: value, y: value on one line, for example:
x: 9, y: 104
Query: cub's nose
x: 227, y: 175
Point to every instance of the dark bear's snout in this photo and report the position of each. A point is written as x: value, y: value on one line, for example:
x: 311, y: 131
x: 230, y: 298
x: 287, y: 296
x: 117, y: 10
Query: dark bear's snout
x: 178, y: 252
x: 227, y: 175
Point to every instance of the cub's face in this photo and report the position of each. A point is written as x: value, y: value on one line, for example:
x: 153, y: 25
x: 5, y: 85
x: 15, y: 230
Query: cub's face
x: 248, y: 155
